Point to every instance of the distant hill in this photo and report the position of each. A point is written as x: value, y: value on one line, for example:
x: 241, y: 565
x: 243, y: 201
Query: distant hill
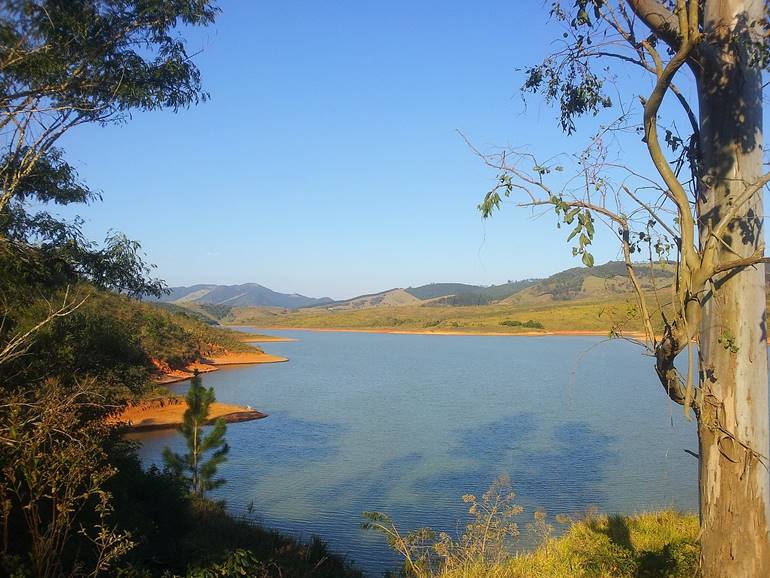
x: 215, y: 303
x: 434, y: 290
x: 434, y: 294
x: 599, y: 282
x: 247, y: 295
x: 458, y: 294
x: 389, y: 298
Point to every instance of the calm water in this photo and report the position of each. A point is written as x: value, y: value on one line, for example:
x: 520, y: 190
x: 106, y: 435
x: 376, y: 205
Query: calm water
x: 406, y: 424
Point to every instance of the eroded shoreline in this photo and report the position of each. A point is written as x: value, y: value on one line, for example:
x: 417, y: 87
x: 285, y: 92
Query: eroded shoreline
x: 167, y: 413
x: 167, y: 375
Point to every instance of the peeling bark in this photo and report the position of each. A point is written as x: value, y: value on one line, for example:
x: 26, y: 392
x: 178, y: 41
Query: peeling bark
x: 733, y: 419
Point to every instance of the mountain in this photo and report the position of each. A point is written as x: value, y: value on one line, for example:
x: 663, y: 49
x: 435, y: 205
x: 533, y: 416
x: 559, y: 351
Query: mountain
x: 434, y: 294
x: 389, y: 298
x: 606, y: 281
x: 214, y: 303
x: 459, y: 294
x: 247, y: 295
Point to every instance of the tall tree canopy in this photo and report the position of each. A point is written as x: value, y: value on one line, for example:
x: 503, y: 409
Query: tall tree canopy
x: 64, y: 63
x: 697, y: 201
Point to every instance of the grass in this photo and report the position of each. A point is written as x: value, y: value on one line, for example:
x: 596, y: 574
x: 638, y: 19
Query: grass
x: 650, y: 545
x: 596, y: 316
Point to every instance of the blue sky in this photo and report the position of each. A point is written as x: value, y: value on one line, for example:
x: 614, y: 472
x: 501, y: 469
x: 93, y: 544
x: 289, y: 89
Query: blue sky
x: 327, y: 161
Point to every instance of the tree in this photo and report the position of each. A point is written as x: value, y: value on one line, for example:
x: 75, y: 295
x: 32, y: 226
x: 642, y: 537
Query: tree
x: 698, y: 204
x: 190, y: 466
x: 64, y: 64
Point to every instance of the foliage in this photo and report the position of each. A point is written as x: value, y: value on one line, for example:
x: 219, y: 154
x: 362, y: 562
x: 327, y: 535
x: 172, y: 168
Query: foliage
x: 701, y: 205
x: 237, y: 563
x: 530, y: 324
x: 486, y: 539
x: 63, y: 64
x: 199, y: 475
x: 109, y: 337
x: 651, y: 545
x: 56, y: 512
x: 73, y: 499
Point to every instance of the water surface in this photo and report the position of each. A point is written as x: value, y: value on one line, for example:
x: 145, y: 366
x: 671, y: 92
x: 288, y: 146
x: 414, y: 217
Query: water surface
x: 407, y: 424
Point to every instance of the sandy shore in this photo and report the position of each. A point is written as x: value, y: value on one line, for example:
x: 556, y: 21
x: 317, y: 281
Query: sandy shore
x: 576, y: 332
x: 266, y: 339
x: 168, y: 413
x: 244, y: 358
x: 166, y: 375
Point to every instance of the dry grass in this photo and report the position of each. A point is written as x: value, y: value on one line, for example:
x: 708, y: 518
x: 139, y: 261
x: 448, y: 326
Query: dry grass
x: 595, y: 316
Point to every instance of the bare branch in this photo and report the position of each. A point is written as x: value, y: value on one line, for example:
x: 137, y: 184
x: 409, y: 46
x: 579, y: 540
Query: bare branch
x: 20, y: 343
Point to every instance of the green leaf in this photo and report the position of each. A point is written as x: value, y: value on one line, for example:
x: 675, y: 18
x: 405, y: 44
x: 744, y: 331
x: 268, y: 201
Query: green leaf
x: 570, y: 216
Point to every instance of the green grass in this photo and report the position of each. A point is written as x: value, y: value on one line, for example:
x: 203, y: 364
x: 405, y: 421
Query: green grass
x: 650, y: 545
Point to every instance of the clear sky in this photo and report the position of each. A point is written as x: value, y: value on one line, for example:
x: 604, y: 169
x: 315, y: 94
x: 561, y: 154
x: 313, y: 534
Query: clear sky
x: 327, y: 161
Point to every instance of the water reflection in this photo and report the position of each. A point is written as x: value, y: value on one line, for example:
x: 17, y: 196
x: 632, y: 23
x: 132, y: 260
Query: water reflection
x: 407, y: 424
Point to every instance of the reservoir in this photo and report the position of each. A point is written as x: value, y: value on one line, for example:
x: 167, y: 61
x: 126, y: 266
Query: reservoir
x: 407, y: 424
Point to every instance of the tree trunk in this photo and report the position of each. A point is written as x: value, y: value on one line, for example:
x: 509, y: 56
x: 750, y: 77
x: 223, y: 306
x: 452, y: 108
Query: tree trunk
x: 733, y: 418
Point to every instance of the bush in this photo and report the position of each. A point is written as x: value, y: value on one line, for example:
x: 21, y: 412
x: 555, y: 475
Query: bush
x: 651, y: 545
x: 531, y: 324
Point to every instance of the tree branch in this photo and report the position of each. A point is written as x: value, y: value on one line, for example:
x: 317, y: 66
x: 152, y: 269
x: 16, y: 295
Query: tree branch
x: 659, y: 19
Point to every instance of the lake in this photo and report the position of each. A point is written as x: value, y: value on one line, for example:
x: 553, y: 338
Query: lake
x: 407, y: 424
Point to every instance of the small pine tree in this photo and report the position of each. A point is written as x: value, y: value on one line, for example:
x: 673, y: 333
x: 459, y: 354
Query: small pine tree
x: 190, y: 467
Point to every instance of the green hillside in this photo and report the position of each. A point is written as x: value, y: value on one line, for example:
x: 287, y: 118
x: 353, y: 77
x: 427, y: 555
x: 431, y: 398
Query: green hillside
x: 114, y: 339
x: 434, y: 290
x: 579, y: 299
x: 595, y: 299
x: 248, y: 294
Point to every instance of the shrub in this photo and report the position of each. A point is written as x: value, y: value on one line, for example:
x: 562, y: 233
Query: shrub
x: 651, y: 545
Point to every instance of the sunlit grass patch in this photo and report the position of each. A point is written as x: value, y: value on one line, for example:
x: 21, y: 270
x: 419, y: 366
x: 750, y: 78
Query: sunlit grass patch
x: 649, y: 545
x: 654, y: 544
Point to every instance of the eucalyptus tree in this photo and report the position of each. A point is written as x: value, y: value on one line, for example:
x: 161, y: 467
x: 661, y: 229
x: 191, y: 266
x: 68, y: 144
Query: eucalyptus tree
x: 695, y: 200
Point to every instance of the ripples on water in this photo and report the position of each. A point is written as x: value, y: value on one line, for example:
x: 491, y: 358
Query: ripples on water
x: 407, y: 424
